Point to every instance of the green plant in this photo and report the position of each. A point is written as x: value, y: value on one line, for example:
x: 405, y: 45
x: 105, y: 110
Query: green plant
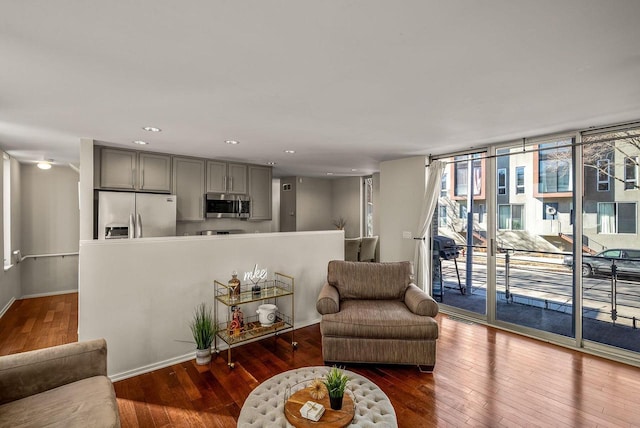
x: 203, y: 327
x: 336, y: 381
x: 340, y: 223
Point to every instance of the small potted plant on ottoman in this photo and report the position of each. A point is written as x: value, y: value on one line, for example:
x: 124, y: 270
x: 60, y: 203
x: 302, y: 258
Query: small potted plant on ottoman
x: 336, y: 381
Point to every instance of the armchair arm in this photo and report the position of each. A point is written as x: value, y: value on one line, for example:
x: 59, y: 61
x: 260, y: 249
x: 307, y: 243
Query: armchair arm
x: 33, y: 372
x: 419, y: 302
x: 328, y: 300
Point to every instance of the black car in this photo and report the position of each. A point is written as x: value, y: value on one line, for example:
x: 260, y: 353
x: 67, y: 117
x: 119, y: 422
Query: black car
x: 627, y: 262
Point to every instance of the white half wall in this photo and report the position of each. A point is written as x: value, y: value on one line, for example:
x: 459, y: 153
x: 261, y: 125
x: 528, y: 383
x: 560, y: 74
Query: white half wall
x: 140, y: 294
x: 402, y: 186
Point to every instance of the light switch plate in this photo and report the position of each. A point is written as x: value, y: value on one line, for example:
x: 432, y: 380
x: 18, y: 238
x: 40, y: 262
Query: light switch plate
x: 406, y: 235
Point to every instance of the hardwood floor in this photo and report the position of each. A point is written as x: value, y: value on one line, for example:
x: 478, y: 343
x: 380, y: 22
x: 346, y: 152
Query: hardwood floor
x: 484, y: 377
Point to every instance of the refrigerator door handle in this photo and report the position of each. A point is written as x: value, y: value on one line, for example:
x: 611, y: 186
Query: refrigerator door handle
x: 132, y: 226
x: 139, y: 227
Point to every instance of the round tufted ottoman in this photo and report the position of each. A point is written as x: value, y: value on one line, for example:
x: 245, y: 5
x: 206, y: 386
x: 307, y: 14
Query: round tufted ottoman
x: 264, y: 407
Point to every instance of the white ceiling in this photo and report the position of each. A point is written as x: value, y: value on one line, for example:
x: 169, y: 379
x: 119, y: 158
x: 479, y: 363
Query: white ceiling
x: 346, y: 84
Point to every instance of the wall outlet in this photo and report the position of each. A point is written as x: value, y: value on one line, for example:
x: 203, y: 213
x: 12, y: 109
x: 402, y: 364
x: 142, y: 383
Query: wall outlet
x: 406, y: 235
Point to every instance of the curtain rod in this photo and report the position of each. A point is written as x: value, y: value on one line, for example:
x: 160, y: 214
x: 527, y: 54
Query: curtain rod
x: 524, y: 150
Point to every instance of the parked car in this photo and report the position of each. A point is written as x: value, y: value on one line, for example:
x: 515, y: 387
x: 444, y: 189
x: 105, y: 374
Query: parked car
x: 627, y: 262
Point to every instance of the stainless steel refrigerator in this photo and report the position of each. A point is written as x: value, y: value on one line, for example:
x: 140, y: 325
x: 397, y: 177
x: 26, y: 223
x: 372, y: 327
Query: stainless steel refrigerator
x: 135, y: 215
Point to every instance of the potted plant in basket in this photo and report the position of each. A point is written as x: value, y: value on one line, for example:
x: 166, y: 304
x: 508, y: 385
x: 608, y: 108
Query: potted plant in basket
x: 335, y: 381
x: 204, y: 330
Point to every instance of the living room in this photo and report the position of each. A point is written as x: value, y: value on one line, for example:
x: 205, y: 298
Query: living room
x: 131, y: 286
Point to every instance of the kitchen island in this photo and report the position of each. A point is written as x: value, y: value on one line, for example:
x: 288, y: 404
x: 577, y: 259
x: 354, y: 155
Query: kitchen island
x: 139, y: 294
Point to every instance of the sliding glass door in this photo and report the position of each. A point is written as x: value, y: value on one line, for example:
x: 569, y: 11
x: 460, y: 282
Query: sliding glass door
x: 548, y: 237
x: 460, y: 278
x: 610, y: 243
x: 533, y: 200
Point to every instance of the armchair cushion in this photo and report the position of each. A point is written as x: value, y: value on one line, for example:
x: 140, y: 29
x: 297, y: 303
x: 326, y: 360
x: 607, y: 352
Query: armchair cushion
x: 363, y: 319
x: 369, y: 281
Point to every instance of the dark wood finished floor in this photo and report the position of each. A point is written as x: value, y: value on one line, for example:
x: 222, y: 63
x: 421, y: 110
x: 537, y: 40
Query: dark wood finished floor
x: 484, y: 378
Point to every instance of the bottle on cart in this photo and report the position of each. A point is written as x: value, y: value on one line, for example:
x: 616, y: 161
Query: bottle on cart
x: 234, y: 287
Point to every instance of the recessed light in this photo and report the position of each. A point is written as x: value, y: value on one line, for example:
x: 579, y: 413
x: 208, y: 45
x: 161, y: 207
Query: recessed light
x: 140, y: 142
x: 271, y: 163
x: 152, y: 129
x: 44, y: 165
x: 232, y: 142
x: 290, y: 151
x: 353, y: 169
x: 329, y: 173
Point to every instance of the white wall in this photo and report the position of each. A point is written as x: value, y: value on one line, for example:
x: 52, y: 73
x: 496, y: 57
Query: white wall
x: 139, y: 294
x: 402, y: 186
x: 313, y: 204
x: 50, y: 224
x: 10, y: 279
x: 347, y: 203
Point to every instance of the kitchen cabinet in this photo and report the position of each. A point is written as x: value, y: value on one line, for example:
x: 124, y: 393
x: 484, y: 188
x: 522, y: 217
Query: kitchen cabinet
x: 118, y: 168
x: 226, y: 177
x: 133, y: 170
x: 154, y: 172
x: 260, y: 192
x: 188, y: 186
x: 239, y: 327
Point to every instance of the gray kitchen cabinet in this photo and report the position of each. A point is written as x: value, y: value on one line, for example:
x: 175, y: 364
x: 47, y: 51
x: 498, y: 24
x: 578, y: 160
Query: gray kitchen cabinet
x: 188, y: 186
x: 133, y: 170
x: 154, y: 172
x: 118, y: 169
x: 226, y: 177
x: 260, y: 192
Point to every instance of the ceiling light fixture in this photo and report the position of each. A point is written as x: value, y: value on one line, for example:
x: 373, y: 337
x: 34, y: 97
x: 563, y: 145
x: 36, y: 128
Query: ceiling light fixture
x: 152, y: 129
x: 290, y: 151
x: 232, y: 142
x: 140, y: 142
x: 44, y: 165
x: 329, y: 173
x: 271, y: 163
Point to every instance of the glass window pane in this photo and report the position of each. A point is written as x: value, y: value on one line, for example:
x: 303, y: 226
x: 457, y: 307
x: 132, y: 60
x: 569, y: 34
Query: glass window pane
x: 627, y: 218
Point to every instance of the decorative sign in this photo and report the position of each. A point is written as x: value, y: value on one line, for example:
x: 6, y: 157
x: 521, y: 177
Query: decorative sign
x: 256, y: 275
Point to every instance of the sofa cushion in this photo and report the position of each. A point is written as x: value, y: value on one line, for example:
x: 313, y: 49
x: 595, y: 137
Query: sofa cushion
x: 376, y: 319
x: 374, y: 281
x: 89, y: 402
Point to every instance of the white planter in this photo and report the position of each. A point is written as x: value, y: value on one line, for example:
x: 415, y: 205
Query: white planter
x: 203, y: 356
x: 267, y: 314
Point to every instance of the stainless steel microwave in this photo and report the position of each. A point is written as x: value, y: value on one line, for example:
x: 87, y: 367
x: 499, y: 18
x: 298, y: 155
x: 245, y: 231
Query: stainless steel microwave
x: 223, y: 205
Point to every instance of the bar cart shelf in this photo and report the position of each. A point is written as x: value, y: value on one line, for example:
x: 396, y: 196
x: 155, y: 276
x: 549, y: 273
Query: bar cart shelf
x: 281, y: 287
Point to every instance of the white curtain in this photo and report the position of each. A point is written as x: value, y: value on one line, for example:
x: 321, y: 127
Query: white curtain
x: 429, y: 203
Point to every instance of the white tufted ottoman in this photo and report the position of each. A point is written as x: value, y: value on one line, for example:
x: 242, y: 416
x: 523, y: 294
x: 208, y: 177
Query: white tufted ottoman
x: 264, y: 407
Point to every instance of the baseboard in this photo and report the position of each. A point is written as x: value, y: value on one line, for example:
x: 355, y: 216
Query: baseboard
x: 53, y: 293
x: 151, y: 367
x: 7, y: 306
x: 182, y: 358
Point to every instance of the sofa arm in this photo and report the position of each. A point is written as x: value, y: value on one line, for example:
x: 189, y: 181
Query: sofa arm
x: 329, y: 300
x: 33, y: 372
x: 419, y: 302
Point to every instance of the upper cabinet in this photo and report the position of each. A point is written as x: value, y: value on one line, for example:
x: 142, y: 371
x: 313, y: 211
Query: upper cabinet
x: 132, y: 170
x: 188, y: 186
x: 188, y: 178
x: 260, y: 192
x: 154, y: 172
x: 226, y: 177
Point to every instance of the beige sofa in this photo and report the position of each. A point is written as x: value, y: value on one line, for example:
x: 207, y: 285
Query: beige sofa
x: 373, y: 313
x: 64, y: 386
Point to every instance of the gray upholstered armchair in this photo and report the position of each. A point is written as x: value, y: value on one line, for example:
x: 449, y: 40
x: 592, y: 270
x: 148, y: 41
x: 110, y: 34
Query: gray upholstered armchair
x: 64, y: 385
x: 373, y: 313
